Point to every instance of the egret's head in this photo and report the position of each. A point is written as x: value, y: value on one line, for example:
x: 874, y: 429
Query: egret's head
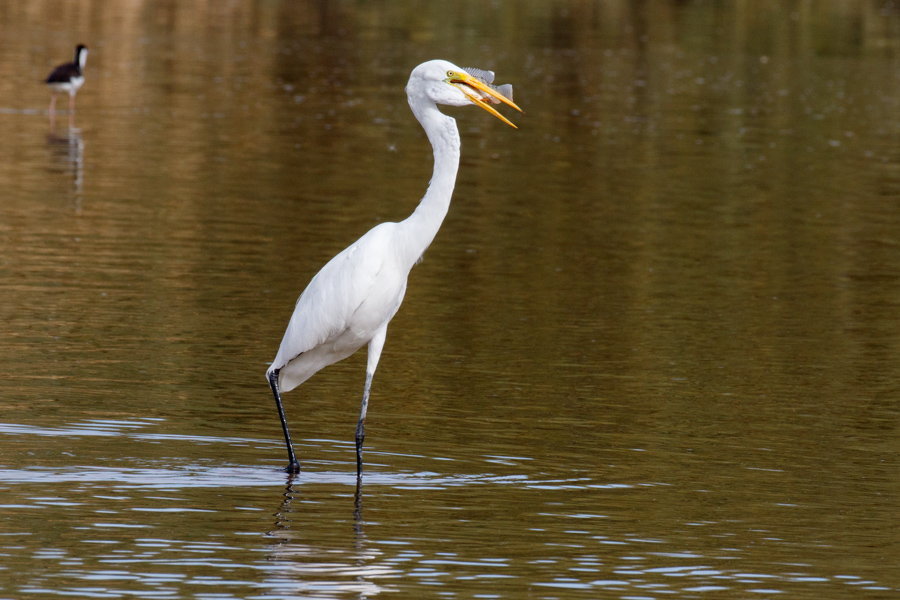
x: 443, y: 82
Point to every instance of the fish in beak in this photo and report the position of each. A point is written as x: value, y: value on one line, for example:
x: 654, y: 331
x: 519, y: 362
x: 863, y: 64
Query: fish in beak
x: 476, y: 85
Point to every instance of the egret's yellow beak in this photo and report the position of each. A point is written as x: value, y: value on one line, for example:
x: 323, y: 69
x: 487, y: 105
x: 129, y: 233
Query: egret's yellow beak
x: 481, y: 94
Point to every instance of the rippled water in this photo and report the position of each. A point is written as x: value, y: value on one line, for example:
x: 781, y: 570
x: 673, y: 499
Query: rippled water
x: 185, y: 526
x: 652, y: 352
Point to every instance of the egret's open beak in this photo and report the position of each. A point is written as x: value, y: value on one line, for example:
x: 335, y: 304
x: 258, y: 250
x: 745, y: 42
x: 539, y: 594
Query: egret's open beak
x: 482, y: 94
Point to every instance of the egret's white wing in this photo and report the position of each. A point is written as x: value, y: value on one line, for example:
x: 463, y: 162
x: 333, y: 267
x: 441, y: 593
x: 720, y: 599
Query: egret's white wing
x: 344, y: 304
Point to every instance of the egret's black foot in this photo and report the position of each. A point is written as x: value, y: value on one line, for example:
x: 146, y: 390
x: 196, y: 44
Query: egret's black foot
x: 293, y: 468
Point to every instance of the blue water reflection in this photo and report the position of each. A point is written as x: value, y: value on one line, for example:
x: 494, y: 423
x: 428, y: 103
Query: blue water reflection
x: 122, y: 516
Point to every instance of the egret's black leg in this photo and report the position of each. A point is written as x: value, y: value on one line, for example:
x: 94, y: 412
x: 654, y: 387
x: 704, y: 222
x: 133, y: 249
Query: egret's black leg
x: 361, y: 426
x: 293, y: 465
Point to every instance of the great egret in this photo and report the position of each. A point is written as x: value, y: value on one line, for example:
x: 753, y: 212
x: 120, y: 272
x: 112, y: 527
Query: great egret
x: 350, y: 302
x: 67, y: 77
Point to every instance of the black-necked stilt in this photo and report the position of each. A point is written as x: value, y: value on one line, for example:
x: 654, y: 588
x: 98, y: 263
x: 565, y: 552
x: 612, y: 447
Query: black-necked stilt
x: 67, y: 78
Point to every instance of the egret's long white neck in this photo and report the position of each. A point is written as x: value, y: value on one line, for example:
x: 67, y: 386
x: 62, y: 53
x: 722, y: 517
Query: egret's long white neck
x: 421, y: 227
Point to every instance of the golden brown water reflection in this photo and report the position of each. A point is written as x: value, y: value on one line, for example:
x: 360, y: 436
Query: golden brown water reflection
x: 652, y: 352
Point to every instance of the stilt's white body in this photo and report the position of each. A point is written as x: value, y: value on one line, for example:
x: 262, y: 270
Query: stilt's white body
x: 69, y: 87
x: 68, y: 78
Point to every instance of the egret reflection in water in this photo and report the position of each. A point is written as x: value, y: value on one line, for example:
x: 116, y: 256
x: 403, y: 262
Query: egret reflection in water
x: 359, y: 570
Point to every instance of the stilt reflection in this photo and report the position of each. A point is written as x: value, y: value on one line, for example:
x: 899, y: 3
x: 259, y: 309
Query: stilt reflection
x: 67, y: 150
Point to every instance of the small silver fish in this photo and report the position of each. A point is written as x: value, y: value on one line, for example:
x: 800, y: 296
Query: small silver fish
x: 487, y: 78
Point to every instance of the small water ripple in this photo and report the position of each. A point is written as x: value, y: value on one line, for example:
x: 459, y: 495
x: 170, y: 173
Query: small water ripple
x: 176, y: 474
x: 199, y: 476
x: 114, y: 428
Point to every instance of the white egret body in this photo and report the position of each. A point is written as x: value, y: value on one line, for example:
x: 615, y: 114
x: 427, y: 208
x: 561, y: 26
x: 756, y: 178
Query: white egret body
x: 350, y: 302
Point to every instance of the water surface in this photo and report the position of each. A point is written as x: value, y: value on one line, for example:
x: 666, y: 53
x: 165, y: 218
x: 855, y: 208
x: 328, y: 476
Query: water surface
x: 651, y: 353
